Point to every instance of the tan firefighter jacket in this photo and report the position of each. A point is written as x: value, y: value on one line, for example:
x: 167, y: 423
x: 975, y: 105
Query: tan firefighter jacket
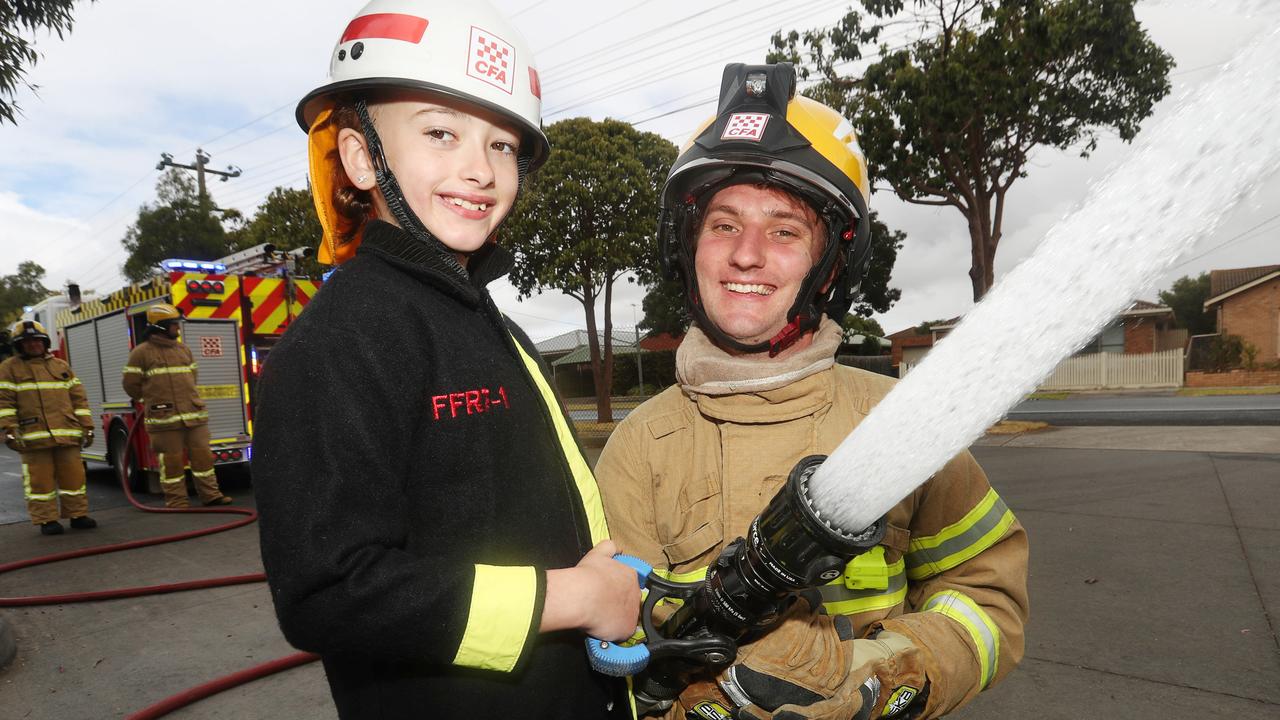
x: 685, y: 473
x: 42, y: 402
x: 161, y: 374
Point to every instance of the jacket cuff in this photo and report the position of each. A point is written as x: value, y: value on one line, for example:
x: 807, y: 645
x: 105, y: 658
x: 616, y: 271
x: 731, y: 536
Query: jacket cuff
x: 506, y: 611
x: 937, y: 636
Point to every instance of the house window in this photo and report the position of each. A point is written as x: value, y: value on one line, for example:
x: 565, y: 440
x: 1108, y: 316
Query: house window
x: 1110, y: 340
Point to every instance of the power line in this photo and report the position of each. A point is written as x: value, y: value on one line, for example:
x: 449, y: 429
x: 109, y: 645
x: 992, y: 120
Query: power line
x: 618, y: 89
x: 1228, y: 241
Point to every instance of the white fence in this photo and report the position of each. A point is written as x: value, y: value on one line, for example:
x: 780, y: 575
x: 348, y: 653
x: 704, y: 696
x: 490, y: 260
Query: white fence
x: 1110, y: 370
x: 1113, y: 370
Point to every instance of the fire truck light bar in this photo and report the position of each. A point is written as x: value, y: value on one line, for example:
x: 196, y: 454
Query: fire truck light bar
x: 208, y: 267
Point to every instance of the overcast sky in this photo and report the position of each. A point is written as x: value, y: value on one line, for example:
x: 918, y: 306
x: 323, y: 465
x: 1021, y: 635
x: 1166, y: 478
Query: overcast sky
x: 139, y: 77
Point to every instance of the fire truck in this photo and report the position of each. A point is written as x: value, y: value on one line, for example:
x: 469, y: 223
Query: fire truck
x: 234, y: 310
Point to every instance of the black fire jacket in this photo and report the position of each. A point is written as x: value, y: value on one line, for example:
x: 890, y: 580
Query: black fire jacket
x: 413, y: 493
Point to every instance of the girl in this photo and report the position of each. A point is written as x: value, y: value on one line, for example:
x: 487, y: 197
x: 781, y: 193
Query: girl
x: 429, y: 525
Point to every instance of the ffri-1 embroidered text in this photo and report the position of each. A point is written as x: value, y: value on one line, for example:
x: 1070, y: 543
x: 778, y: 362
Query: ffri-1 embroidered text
x: 468, y: 402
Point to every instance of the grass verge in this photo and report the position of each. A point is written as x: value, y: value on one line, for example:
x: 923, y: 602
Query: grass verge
x: 1201, y: 392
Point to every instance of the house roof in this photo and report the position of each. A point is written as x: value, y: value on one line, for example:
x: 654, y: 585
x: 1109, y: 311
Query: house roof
x: 574, y: 339
x: 660, y: 342
x: 1142, y: 308
x: 910, y: 332
x: 583, y: 354
x: 1225, y: 283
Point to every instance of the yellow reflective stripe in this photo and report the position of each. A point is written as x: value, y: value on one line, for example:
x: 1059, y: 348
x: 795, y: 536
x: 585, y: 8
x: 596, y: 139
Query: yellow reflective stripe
x: 687, y: 576
x: 131, y: 369
x: 201, y: 415
x: 978, y: 530
x: 46, y: 434
x: 8, y: 412
x: 975, y: 620
x: 840, y: 597
x: 81, y: 491
x: 582, y: 477
x: 173, y: 370
x: 43, y: 385
x: 502, y: 604
x: 26, y: 487
x: 84, y: 413
x: 203, y: 473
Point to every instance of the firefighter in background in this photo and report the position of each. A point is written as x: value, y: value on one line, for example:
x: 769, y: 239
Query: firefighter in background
x: 44, y: 416
x: 161, y: 374
x: 765, y: 219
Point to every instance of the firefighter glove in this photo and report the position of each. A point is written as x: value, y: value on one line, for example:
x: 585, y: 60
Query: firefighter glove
x: 86, y: 439
x: 12, y: 440
x: 811, y: 666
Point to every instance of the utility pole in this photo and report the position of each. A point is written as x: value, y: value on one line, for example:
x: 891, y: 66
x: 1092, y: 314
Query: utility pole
x: 635, y: 324
x: 202, y: 158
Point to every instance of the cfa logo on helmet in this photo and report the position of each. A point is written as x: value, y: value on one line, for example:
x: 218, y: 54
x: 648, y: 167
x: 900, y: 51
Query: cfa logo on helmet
x: 491, y: 59
x: 745, y: 126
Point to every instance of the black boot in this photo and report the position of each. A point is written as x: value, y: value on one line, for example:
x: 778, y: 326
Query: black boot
x: 84, y: 522
x: 53, y: 527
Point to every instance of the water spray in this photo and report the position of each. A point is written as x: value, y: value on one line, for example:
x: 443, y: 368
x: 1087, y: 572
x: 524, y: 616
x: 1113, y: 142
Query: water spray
x: 1182, y: 178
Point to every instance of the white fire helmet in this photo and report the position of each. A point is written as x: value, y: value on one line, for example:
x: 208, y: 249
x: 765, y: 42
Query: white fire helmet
x: 466, y: 50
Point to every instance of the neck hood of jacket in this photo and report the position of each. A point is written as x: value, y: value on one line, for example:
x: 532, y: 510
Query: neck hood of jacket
x: 397, y: 247
x: 161, y: 339
x: 758, y: 388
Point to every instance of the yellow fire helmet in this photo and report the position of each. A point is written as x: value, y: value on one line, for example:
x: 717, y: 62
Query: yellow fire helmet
x: 763, y: 133
x: 463, y: 49
x: 162, y: 312
x: 28, y: 330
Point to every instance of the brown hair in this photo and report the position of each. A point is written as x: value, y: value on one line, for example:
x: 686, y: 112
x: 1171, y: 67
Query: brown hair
x: 353, y: 205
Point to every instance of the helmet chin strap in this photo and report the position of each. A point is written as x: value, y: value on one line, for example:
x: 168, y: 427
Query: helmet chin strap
x: 405, y: 217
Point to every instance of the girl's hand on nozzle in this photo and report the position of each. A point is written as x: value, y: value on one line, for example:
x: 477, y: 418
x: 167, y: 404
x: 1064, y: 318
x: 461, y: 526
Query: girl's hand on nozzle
x: 599, y: 595
x: 615, y: 609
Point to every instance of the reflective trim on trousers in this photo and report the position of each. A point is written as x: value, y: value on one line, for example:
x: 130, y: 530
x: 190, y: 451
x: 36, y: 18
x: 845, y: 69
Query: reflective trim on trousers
x: 26, y: 487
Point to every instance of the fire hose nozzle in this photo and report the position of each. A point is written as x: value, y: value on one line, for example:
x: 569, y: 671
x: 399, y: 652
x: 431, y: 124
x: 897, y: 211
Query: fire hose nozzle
x: 790, y: 547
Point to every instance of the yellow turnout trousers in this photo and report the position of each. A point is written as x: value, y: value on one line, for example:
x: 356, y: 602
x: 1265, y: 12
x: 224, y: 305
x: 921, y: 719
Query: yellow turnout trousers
x: 169, y: 446
x: 53, y: 477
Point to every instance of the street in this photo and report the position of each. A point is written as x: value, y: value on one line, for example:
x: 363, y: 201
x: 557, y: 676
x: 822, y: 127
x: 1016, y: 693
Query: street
x: 1152, y: 409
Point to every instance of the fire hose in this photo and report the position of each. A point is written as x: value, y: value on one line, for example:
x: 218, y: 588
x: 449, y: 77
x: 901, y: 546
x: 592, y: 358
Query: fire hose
x: 789, y: 548
x: 198, y: 692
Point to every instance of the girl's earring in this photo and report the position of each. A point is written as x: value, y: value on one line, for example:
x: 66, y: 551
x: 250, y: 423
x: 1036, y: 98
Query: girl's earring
x: 361, y: 178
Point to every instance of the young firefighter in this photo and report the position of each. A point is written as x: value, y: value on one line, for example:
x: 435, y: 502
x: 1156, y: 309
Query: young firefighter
x: 765, y: 219
x: 161, y: 374
x: 427, y: 517
x: 44, y: 416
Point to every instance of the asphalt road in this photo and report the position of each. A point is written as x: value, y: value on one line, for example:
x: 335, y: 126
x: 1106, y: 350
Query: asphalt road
x: 1154, y: 409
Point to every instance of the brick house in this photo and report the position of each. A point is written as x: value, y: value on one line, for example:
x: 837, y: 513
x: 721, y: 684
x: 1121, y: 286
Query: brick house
x: 1149, y: 327
x: 912, y: 344
x: 1145, y: 327
x: 1246, y: 302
